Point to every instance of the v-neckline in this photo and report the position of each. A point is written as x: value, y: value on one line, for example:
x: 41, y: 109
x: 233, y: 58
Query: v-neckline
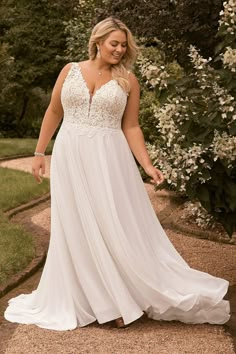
x: 86, y: 85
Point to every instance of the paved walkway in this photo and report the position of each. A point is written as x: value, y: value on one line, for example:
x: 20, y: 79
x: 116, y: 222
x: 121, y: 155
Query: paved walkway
x: 144, y: 335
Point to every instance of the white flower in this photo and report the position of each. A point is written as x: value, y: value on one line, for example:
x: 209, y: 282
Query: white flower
x: 224, y: 146
x: 229, y: 58
x: 197, y: 214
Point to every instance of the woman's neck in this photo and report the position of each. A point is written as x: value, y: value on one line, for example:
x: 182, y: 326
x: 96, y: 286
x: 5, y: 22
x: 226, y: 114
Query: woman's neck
x: 100, y: 65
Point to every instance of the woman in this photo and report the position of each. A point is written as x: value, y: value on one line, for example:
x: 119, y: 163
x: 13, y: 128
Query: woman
x: 109, y: 258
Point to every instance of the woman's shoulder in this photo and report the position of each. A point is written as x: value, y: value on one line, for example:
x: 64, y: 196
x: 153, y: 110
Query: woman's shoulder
x: 132, y: 79
x: 68, y: 66
x: 65, y: 71
x: 72, y: 64
x: 76, y: 65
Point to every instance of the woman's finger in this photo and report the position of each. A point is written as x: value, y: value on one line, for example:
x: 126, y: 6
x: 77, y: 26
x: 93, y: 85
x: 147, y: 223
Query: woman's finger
x: 160, y: 176
x: 43, y: 169
x: 35, y: 173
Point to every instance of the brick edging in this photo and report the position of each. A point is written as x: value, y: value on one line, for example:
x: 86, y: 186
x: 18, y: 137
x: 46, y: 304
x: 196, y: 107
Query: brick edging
x: 21, y: 276
x: 200, y: 234
x: 28, y: 205
x: 14, y: 157
x: 22, y: 156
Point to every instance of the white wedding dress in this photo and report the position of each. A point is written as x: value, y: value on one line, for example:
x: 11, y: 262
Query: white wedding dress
x: 108, y: 255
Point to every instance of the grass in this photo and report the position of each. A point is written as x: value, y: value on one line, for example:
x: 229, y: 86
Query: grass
x: 18, y: 187
x: 17, y: 248
x: 16, y: 245
x: 12, y: 147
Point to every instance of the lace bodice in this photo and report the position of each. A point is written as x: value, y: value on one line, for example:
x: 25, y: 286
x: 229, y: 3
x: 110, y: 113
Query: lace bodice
x: 104, y: 109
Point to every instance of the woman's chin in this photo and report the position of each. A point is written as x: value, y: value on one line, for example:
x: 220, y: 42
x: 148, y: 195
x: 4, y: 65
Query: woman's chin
x: 116, y: 60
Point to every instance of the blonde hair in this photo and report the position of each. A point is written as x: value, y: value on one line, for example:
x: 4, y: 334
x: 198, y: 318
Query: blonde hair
x: 100, y: 33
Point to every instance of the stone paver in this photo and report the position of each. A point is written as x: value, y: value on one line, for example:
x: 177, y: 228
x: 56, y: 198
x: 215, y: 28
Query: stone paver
x: 144, y: 335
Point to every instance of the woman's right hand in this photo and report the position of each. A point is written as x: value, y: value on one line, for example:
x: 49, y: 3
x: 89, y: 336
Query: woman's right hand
x: 37, y: 165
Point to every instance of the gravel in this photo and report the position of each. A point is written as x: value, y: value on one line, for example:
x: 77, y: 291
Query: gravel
x: 143, y: 336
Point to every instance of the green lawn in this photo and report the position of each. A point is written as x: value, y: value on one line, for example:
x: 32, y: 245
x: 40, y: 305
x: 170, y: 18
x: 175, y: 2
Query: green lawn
x: 16, y: 188
x: 16, y: 245
x: 12, y: 147
x: 16, y: 248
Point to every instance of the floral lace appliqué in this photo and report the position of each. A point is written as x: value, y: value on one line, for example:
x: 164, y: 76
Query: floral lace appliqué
x: 104, y: 109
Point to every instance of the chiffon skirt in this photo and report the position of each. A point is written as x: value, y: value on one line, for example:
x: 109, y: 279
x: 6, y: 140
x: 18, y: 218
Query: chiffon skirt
x: 108, y: 255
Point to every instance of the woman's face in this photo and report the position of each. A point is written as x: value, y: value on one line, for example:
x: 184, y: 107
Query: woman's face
x: 114, y: 47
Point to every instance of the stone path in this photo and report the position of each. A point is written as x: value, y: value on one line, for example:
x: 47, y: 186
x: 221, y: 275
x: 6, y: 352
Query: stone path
x: 144, y: 335
x: 24, y: 164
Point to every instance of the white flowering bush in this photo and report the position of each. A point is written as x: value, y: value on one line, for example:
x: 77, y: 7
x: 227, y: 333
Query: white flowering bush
x: 153, y: 66
x: 195, y: 212
x: 154, y: 74
x: 197, y: 124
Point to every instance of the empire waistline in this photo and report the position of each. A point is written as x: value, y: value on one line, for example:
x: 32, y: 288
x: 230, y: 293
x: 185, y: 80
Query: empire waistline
x: 89, y: 127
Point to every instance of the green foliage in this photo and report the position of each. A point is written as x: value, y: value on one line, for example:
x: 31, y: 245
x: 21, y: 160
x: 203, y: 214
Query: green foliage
x: 177, y: 24
x: 78, y: 28
x: 78, y: 31
x: 32, y: 47
x: 146, y: 119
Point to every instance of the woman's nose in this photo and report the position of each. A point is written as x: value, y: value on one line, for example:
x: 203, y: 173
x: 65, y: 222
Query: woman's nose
x: 119, y: 49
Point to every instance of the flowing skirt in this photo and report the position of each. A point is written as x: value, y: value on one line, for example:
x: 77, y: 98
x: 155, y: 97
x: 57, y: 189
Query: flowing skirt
x: 108, y: 255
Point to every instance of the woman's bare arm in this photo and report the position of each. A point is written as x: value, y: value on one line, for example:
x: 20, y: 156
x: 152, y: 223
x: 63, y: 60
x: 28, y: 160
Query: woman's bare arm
x: 134, y: 134
x: 53, y: 114
x: 51, y: 120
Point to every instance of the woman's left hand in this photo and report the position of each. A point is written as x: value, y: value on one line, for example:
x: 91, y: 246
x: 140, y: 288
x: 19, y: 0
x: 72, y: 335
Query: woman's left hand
x: 155, y: 174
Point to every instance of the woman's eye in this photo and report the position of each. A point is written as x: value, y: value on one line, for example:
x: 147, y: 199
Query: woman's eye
x: 115, y: 45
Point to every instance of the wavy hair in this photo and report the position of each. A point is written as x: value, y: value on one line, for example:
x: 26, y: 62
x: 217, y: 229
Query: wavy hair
x: 100, y: 33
